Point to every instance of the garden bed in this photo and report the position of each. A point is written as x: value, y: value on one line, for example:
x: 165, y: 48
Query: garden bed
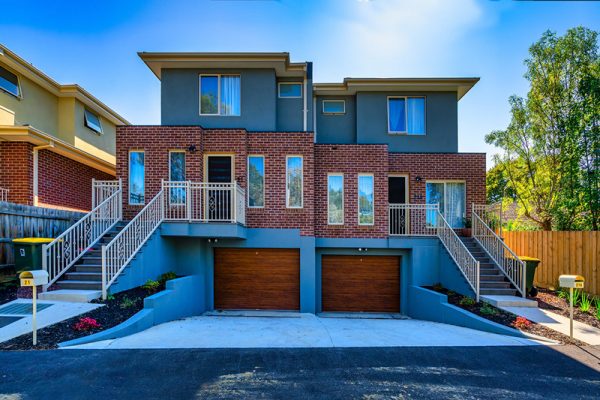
x: 502, y: 317
x: 8, y: 292
x: 559, y: 303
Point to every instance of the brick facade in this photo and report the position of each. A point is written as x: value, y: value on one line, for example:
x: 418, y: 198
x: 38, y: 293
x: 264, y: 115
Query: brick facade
x: 319, y: 160
x: 62, y: 182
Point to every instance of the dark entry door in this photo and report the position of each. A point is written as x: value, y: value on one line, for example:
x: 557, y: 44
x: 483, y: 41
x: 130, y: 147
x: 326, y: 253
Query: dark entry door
x: 219, y: 195
x: 397, y: 195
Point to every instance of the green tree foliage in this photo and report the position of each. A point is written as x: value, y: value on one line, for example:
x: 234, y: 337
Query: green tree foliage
x: 551, y: 148
x: 497, y: 185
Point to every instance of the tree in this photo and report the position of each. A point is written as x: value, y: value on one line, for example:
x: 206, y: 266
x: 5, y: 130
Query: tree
x: 551, y: 146
x: 497, y: 185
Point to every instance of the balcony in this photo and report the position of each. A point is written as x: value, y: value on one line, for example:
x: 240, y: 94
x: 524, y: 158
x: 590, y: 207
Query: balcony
x: 413, y: 219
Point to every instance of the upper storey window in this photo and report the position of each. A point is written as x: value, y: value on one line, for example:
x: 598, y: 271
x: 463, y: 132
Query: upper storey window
x: 290, y: 90
x: 334, y: 107
x: 406, y: 115
x: 92, y: 121
x: 220, y: 95
x: 9, y: 82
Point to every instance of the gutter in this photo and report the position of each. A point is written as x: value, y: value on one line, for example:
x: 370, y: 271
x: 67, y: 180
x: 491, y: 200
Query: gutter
x: 36, y: 150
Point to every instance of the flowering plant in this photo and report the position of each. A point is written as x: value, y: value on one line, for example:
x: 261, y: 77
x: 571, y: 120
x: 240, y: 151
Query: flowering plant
x: 521, y: 322
x: 85, y: 324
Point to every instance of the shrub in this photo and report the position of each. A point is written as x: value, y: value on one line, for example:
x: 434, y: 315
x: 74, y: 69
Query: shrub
x: 486, y: 309
x: 467, y: 301
x: 585, y: 303
x: 521, y: 323
x: 598, y: 308
x: 151, y: 286
x: 86, y: 324
x: 167, y: 276
x: 127, y: 303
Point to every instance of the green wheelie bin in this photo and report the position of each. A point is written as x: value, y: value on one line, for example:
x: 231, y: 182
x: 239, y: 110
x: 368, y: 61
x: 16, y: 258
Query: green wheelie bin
x: 530, y: 265
x: 28, y: 253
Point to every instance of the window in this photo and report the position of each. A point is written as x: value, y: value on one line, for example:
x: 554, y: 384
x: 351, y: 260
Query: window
x: 334, y: 106
x: 294, y: 185
x: 290, y: 90
x: 335, y: 199
x: 136, y: 177
x: 220, y: 95
x: 451, y: 198
x: 406, y: 115
x: 366, y: 205
x: 9, y: 82
x: 177, y: 174
x: 256, y: 181
x: 92, y: 121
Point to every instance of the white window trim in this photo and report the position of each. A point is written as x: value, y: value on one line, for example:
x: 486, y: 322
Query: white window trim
x: 86, y: 123
x: 343, y: 208
x: 218, y: 114
x: 289, y: 83
x: 406, y: 115
x: 264, y: 180
x: 129, y: 178
x: 334, y: 101
x: 358, y: 199
x: 171, y: 179
x: 19, y: 87
x: 287, y: 182
x: 445, y: 182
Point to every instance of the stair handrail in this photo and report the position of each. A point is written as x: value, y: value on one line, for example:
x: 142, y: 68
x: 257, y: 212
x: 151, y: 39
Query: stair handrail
x: 125, y: 245
x: 467, y: 264
x: 60, y: 254
x: 512, y: 266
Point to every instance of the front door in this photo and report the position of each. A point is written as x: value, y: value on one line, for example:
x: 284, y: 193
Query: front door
x: 397, y: 195
x: 218, y: 196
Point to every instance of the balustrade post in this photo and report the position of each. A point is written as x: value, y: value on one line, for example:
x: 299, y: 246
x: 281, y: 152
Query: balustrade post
x: 234, y: 201
x: 104, y: 291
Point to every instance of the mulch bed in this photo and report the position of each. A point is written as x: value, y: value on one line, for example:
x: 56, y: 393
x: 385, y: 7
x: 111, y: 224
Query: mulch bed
x: 117, y: 309
x: 504, y: 317
x: 8, y: 292
x: 549, y: 300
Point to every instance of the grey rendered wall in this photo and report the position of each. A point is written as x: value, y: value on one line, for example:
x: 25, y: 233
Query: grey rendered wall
x: 180, y: 100
x: 441, y: 123
x: 336, y: 128
x: 289, y: 110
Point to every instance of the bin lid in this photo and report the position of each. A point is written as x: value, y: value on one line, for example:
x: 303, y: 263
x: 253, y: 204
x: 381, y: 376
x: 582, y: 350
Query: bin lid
x: 525, y: 258
x: 32, y: 240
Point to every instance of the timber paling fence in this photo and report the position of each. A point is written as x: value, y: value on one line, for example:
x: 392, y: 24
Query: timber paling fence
x: 17, y: 220
x: 560, y: 253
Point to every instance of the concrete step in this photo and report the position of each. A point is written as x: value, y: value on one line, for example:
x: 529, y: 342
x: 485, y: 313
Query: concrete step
x: 88, y: 268
x: 492, y: 277
x: 508, y: 301
x: 77, y: 296
x: 84, y: 276
x: 79, y: 285
x: 498, y: 292
x: 91, y: 260
x: 494, y: 285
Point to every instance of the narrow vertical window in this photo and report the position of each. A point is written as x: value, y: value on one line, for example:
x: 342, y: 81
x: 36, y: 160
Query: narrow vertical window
x: 256, y: 181
x: 294, y: 184
x: 335, y: 199
x: 366, y: 206
x: 397, y: 115
x: 177, y: 174
x: 136, y: 177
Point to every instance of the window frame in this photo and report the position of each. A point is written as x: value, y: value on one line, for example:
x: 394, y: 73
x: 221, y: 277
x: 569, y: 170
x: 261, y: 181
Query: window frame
x: 129, y: 178
x: 279, y: 96
x: 406, y: 133
x: 86, y: 123
x: 19, y: 87
x: 331, y: 112
x: 358, y: 198
x: 336, y: 174
x: 445, y: 181
x: 264, y: 180
x: 287, y: 182
x: 218, y: 114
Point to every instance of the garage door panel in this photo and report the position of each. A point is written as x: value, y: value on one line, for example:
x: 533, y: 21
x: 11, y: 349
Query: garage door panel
x: 360, y: 283
x: 257, y: 279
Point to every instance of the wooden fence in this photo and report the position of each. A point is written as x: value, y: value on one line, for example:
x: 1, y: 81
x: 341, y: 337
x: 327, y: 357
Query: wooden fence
x: 561, y: 253
x: 18, y: 220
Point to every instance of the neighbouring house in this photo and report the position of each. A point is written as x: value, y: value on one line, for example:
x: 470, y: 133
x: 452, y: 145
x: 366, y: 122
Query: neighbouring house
x: 54, y: 139
x: 285, y: 194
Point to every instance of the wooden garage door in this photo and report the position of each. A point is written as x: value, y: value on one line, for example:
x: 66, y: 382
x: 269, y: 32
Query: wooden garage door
x: 250, y: 279
x: 360, y: 283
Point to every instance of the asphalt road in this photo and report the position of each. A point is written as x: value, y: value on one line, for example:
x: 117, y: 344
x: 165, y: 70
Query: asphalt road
x: 536, y: 372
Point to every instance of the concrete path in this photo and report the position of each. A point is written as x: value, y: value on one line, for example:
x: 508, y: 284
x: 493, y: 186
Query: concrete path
x: 586, y: 333
x: 303, y: 330
x: 58, y: 311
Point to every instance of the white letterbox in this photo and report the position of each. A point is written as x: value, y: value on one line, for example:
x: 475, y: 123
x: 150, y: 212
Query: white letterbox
x: 33, y: 278
x: 571, y: 281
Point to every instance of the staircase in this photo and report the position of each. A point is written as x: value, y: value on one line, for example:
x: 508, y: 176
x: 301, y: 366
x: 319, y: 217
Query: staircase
x: 491, y: 280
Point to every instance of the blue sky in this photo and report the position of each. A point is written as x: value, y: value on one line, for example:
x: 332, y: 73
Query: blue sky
x: 94, y: 44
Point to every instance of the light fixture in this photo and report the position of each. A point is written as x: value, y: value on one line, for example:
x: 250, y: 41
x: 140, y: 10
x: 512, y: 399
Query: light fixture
x: 418, y: 179
x: 192, y: 148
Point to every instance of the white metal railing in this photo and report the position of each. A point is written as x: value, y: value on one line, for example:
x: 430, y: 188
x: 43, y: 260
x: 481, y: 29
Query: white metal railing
x: 463, y: 258
x: 121, y: 250
x: 102, y: 190
x: 4, y: 194
x: 204, y: 202
x: 412, y: 219
x: 508, y: 262
x: 60, y: 254
x: 491, y: 214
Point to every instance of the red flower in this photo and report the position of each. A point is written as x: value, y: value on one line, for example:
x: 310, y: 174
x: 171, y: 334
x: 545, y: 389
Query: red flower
x: 521, y: 322
x: 85, y: 324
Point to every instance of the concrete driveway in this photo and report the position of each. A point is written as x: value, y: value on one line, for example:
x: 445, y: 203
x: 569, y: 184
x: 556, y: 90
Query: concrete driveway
x: 303, y: 330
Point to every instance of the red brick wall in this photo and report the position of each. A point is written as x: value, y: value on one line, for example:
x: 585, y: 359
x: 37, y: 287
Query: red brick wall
x: 64, y: 182
x: 469, y: 167
x: 16, y: 171
x: 351, y: 160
